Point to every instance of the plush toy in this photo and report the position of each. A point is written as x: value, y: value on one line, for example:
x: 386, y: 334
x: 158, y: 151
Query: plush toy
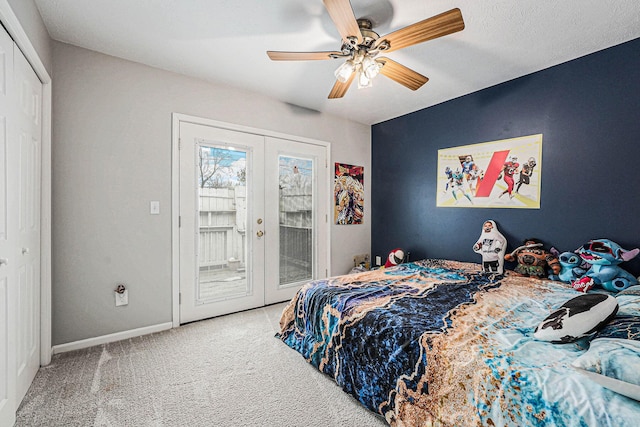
x: 570, y: 269
x: 603, y: 256
x: 395, y: 257
x: 491, y: 245
x: 579, y: 317
x: 533, y: 259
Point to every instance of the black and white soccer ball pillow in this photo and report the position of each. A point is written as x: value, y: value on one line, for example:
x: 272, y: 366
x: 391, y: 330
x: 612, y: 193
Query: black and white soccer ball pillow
x: 579, y: 317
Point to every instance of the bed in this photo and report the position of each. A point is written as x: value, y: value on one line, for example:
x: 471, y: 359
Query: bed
x: 435, y: 342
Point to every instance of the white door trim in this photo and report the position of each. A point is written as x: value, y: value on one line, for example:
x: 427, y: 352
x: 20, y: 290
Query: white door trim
x: 15, y: 30
x: 175, y: 191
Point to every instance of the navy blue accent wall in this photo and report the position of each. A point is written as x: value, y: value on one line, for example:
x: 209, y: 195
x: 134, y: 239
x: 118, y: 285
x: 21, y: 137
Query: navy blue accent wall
x: 588, y: 111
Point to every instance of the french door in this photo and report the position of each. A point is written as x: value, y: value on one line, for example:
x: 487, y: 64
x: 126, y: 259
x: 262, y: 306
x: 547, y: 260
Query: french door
x: 253, y: 219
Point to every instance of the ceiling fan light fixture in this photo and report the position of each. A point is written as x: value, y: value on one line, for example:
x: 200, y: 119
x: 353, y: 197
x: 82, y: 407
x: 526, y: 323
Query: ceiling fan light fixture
x: 344, y: 71
x: 370, y: 67
x: 363, y: 80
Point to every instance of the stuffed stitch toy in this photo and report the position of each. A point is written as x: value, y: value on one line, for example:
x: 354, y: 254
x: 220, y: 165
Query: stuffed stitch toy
x: 569, y: 266
x: 533, y: 260
x: 491, y: 245
x: 604, y: 256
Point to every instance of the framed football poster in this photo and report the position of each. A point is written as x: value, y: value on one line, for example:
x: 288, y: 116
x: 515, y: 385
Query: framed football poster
x: 496, y: 174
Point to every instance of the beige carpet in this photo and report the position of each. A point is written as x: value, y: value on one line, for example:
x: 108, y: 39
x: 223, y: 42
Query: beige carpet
x: 227, y: 371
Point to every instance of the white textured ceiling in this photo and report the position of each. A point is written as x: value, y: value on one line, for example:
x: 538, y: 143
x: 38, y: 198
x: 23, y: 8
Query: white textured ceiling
x: 225, y: 42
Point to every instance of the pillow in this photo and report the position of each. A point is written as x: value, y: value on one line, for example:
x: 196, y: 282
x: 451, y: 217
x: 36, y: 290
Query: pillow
x: 621, y: 327
x: 613, y: 358
x: 629, y: 301
x: 579, y: 317
x: 620, y: 387
x: 631, y: 290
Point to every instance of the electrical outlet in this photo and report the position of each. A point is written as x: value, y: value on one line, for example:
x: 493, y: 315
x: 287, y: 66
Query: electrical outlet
x: 378, y: 260
x: 122, y: 298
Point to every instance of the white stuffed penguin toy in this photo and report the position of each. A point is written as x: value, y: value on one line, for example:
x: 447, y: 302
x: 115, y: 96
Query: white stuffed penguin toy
x: 492, y: 245
x: 395, y: 257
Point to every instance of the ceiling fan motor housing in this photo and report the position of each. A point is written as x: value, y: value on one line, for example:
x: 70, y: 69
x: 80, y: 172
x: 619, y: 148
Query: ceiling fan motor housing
x: 368, y: 35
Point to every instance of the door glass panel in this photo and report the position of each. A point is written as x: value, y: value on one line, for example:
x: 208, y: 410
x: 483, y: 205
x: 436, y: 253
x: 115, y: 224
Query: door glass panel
x: 296, y: 220
x: 222, y: 223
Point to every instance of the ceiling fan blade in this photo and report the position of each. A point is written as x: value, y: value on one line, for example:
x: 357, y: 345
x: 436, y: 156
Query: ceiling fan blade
x: 431, y: 28
x: 401, y: 74
x: 301, y: 56
x: 342, y: 16
x: 339, y: 89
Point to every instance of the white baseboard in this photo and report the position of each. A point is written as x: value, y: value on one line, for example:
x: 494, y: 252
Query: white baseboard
x: 118, y: 336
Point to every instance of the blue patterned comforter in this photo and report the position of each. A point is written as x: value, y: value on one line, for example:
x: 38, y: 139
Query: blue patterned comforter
x: 437, y: 343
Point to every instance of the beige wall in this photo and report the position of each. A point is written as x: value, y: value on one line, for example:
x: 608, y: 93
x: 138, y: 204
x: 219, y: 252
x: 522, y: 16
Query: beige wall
x: 112, y: 155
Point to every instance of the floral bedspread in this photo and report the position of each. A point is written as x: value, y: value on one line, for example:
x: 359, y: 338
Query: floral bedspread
x: 437, y: 343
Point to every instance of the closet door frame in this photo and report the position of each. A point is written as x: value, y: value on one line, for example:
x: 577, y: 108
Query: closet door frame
x: 19, y: 36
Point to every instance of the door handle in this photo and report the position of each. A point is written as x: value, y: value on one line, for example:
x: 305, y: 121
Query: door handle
x: 3, y: 261
x: 260, y: 233
x: 25, y: 251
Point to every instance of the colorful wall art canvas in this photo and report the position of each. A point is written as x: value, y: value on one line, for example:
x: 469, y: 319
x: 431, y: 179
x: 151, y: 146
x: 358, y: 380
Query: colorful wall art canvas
x: 497, y: 174
x: 348, y: 191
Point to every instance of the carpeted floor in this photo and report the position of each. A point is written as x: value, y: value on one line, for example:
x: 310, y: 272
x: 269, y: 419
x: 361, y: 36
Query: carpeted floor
x: 227, y: 371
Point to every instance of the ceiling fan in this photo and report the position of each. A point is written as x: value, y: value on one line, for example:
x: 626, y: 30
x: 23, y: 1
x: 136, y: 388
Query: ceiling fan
x: 361, y: 45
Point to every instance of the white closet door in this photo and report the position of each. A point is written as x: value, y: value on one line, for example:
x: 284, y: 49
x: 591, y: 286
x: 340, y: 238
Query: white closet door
x: 8, y: 223
x: 20, y: 188
x: 28, y: 125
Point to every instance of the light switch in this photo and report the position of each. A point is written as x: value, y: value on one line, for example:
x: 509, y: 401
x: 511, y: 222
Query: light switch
x: 154, y: 207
